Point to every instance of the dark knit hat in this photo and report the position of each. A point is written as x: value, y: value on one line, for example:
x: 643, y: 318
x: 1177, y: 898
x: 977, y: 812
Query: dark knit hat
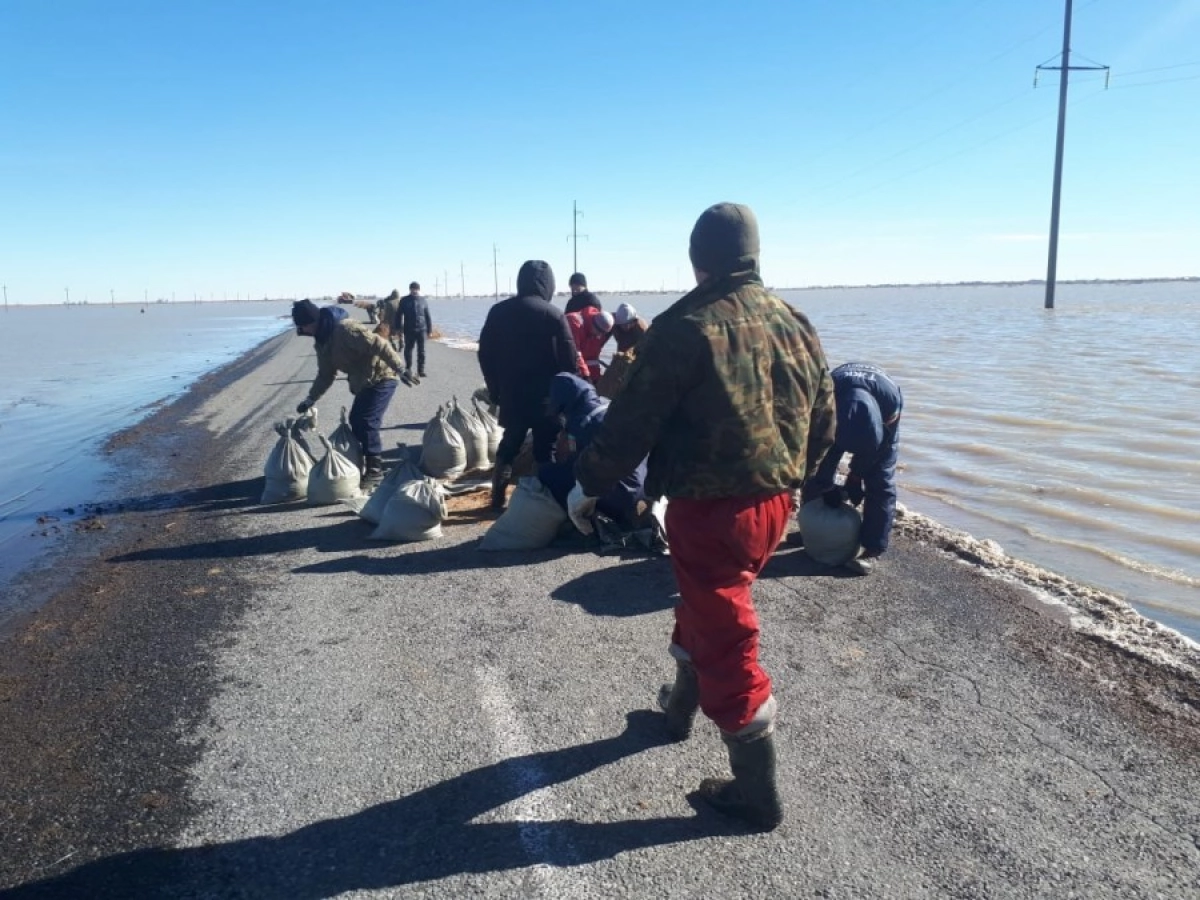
x: 577, y: 279
x: 413, y: 286
x: 305, y: 312
x: 725, y: 240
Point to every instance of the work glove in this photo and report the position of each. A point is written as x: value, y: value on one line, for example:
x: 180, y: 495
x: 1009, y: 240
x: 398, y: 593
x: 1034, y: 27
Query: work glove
x: 581, y: 508
x: 854, y: 491
x: 304, y: 407
x: 833, y: 497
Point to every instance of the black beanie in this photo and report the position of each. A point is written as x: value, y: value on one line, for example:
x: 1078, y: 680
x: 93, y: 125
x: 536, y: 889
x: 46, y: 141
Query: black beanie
x: 305, y: 312
x: 725, y: 240
x: 578, y: 278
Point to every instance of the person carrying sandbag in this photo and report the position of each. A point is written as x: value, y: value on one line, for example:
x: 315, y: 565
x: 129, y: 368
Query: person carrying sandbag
x: 371, y: 365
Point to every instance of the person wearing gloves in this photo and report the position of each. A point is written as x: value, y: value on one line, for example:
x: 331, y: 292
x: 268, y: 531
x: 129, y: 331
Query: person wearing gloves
x: 414, y: 322
x: 590, y: 328
x: 581, y: 298
x: 868, y: 404
x: 524, y: 343
x: 370, y: 363
x: 730, y: 396
x: 628, y: 327
x: 575, y: 402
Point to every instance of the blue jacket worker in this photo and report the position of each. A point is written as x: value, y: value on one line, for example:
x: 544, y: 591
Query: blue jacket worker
x: 582, y: 410
x: 868, y: 405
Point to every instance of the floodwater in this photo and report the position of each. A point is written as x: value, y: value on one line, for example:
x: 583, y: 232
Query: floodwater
x: 1068, y: 436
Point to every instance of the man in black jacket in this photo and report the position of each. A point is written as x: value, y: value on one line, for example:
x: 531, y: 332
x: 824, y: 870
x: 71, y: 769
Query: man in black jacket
x: 525, y: 342
x: 414, y: 322
x: 581, y: 297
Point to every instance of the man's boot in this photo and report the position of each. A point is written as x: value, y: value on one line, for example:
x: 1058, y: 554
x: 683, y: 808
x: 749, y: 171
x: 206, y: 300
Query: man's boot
x: 680, y: 701
x: 751, y: 794
x: 500, y: 478
x: 372, y: 473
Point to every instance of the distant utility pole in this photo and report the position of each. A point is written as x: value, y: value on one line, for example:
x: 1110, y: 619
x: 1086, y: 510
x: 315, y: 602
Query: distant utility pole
x: 6, y: 298
x: 574, y: 236
x: 112, y: 297
x: 462, y: 274
x: 495, y: 273
x: 1065, y: 68
x: 67, y: 291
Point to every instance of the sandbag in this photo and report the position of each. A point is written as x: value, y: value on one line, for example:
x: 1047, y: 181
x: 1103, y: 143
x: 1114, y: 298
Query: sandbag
x: 414, y: 512
x: 830, y: 534
x: 401, y: 474
x: 473, y: 434
x: 333, y: 479
x: 443, y: 454
x: 287, y: 467
x: 613, y: 379
x: 491, y: 425
x: 305, y: 434
x: 344, y: 441
x: 531, y: 520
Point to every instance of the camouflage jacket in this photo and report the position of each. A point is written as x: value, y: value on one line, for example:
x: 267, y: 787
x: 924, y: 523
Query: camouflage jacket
x: 386, y: 311
x: 365, y: 357
x: 730, y: 395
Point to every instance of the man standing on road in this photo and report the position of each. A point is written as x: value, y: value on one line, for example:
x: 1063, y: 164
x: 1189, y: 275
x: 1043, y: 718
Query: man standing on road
x: 414, y: 322
x: 869, y: 404
x: 385, y: 311
x: 524, y: 343
x: 730, y: 396
x: 370, y: 363
x: 581, y: 298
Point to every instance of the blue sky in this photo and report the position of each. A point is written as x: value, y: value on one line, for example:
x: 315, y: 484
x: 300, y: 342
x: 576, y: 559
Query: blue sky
x: 298, y: 148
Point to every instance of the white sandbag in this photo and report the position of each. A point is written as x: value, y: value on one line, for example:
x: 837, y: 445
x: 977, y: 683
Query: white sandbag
x: 830, y: 534
x: 443, y: 454
x: 531, y: 520
x: 333, y: 479
x: 344, y: 441
x: 287, y: 467
x: 403, y: 473
x: 473, y: 434
x: 304, y: 432
x: 492, y: 426
x: 414, y: 512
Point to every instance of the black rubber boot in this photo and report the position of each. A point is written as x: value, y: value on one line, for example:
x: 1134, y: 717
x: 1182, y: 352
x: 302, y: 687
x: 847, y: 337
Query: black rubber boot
x: 500, y: 479
x: 751, y: 794
x: 680, y: 701
x: 372, y: 473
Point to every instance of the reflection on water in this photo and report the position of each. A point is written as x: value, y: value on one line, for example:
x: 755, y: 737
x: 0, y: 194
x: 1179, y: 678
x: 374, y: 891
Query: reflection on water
x: 1068, y: 435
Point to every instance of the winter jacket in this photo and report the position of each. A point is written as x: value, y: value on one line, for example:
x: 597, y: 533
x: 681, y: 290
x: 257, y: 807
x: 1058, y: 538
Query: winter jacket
x: 581, y: 301
x: 413, y: 317
x: 583, y: 413
x: 385, y: 311
x: 729, y: 394
x: 588, y: 341
x: 344, y: 345
x: 524, y: 343
x: 629, y: 336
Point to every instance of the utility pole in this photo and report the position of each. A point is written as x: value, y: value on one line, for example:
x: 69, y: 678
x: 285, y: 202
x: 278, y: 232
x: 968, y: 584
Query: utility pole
x: 67, y: 291
x: 1065, y: 68
x: 112, y: 297
x: 495, y: 273
x: 462, y: 274
x: 6, y: 298
x: 574, y: 236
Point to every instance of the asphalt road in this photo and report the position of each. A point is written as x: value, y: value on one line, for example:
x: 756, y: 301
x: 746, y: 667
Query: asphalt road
x: 228, y: 700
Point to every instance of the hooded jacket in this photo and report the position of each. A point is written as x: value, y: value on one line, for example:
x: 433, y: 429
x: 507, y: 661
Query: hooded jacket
x: 344, y: 345
x: 525, y: 341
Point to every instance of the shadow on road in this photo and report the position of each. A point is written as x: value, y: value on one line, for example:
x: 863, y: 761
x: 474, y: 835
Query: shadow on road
x: 426, y: 836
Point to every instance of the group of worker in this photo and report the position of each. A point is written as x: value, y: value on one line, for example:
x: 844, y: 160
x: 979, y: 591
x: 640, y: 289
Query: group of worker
x: 728, y: 409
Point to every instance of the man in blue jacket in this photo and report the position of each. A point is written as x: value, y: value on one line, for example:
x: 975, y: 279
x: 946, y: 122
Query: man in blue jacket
x: 868, y: 405
x: 582, y: 410
x: 414, y: 322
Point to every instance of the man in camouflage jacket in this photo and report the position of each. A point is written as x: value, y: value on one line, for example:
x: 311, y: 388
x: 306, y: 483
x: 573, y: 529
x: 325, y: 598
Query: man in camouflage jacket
x: 731, y: 397
x: 370, y: 363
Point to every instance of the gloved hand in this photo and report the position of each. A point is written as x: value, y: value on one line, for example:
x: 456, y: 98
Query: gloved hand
x: 304, y: 407
x: 581, y: 508
x: 854, y: 490
x: 833, y: 497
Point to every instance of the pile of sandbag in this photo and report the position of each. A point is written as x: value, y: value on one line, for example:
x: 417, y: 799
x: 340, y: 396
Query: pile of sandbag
x: 491, y: 425
x: 344, y: 441
x: 531, y: 520
x: 414, y: 512
x: 457, y: 440
x: 290, y: 462
x: 474, y: 435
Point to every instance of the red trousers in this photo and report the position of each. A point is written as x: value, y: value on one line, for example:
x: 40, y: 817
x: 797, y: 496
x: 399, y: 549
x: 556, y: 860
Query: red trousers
x: 718, y: 547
